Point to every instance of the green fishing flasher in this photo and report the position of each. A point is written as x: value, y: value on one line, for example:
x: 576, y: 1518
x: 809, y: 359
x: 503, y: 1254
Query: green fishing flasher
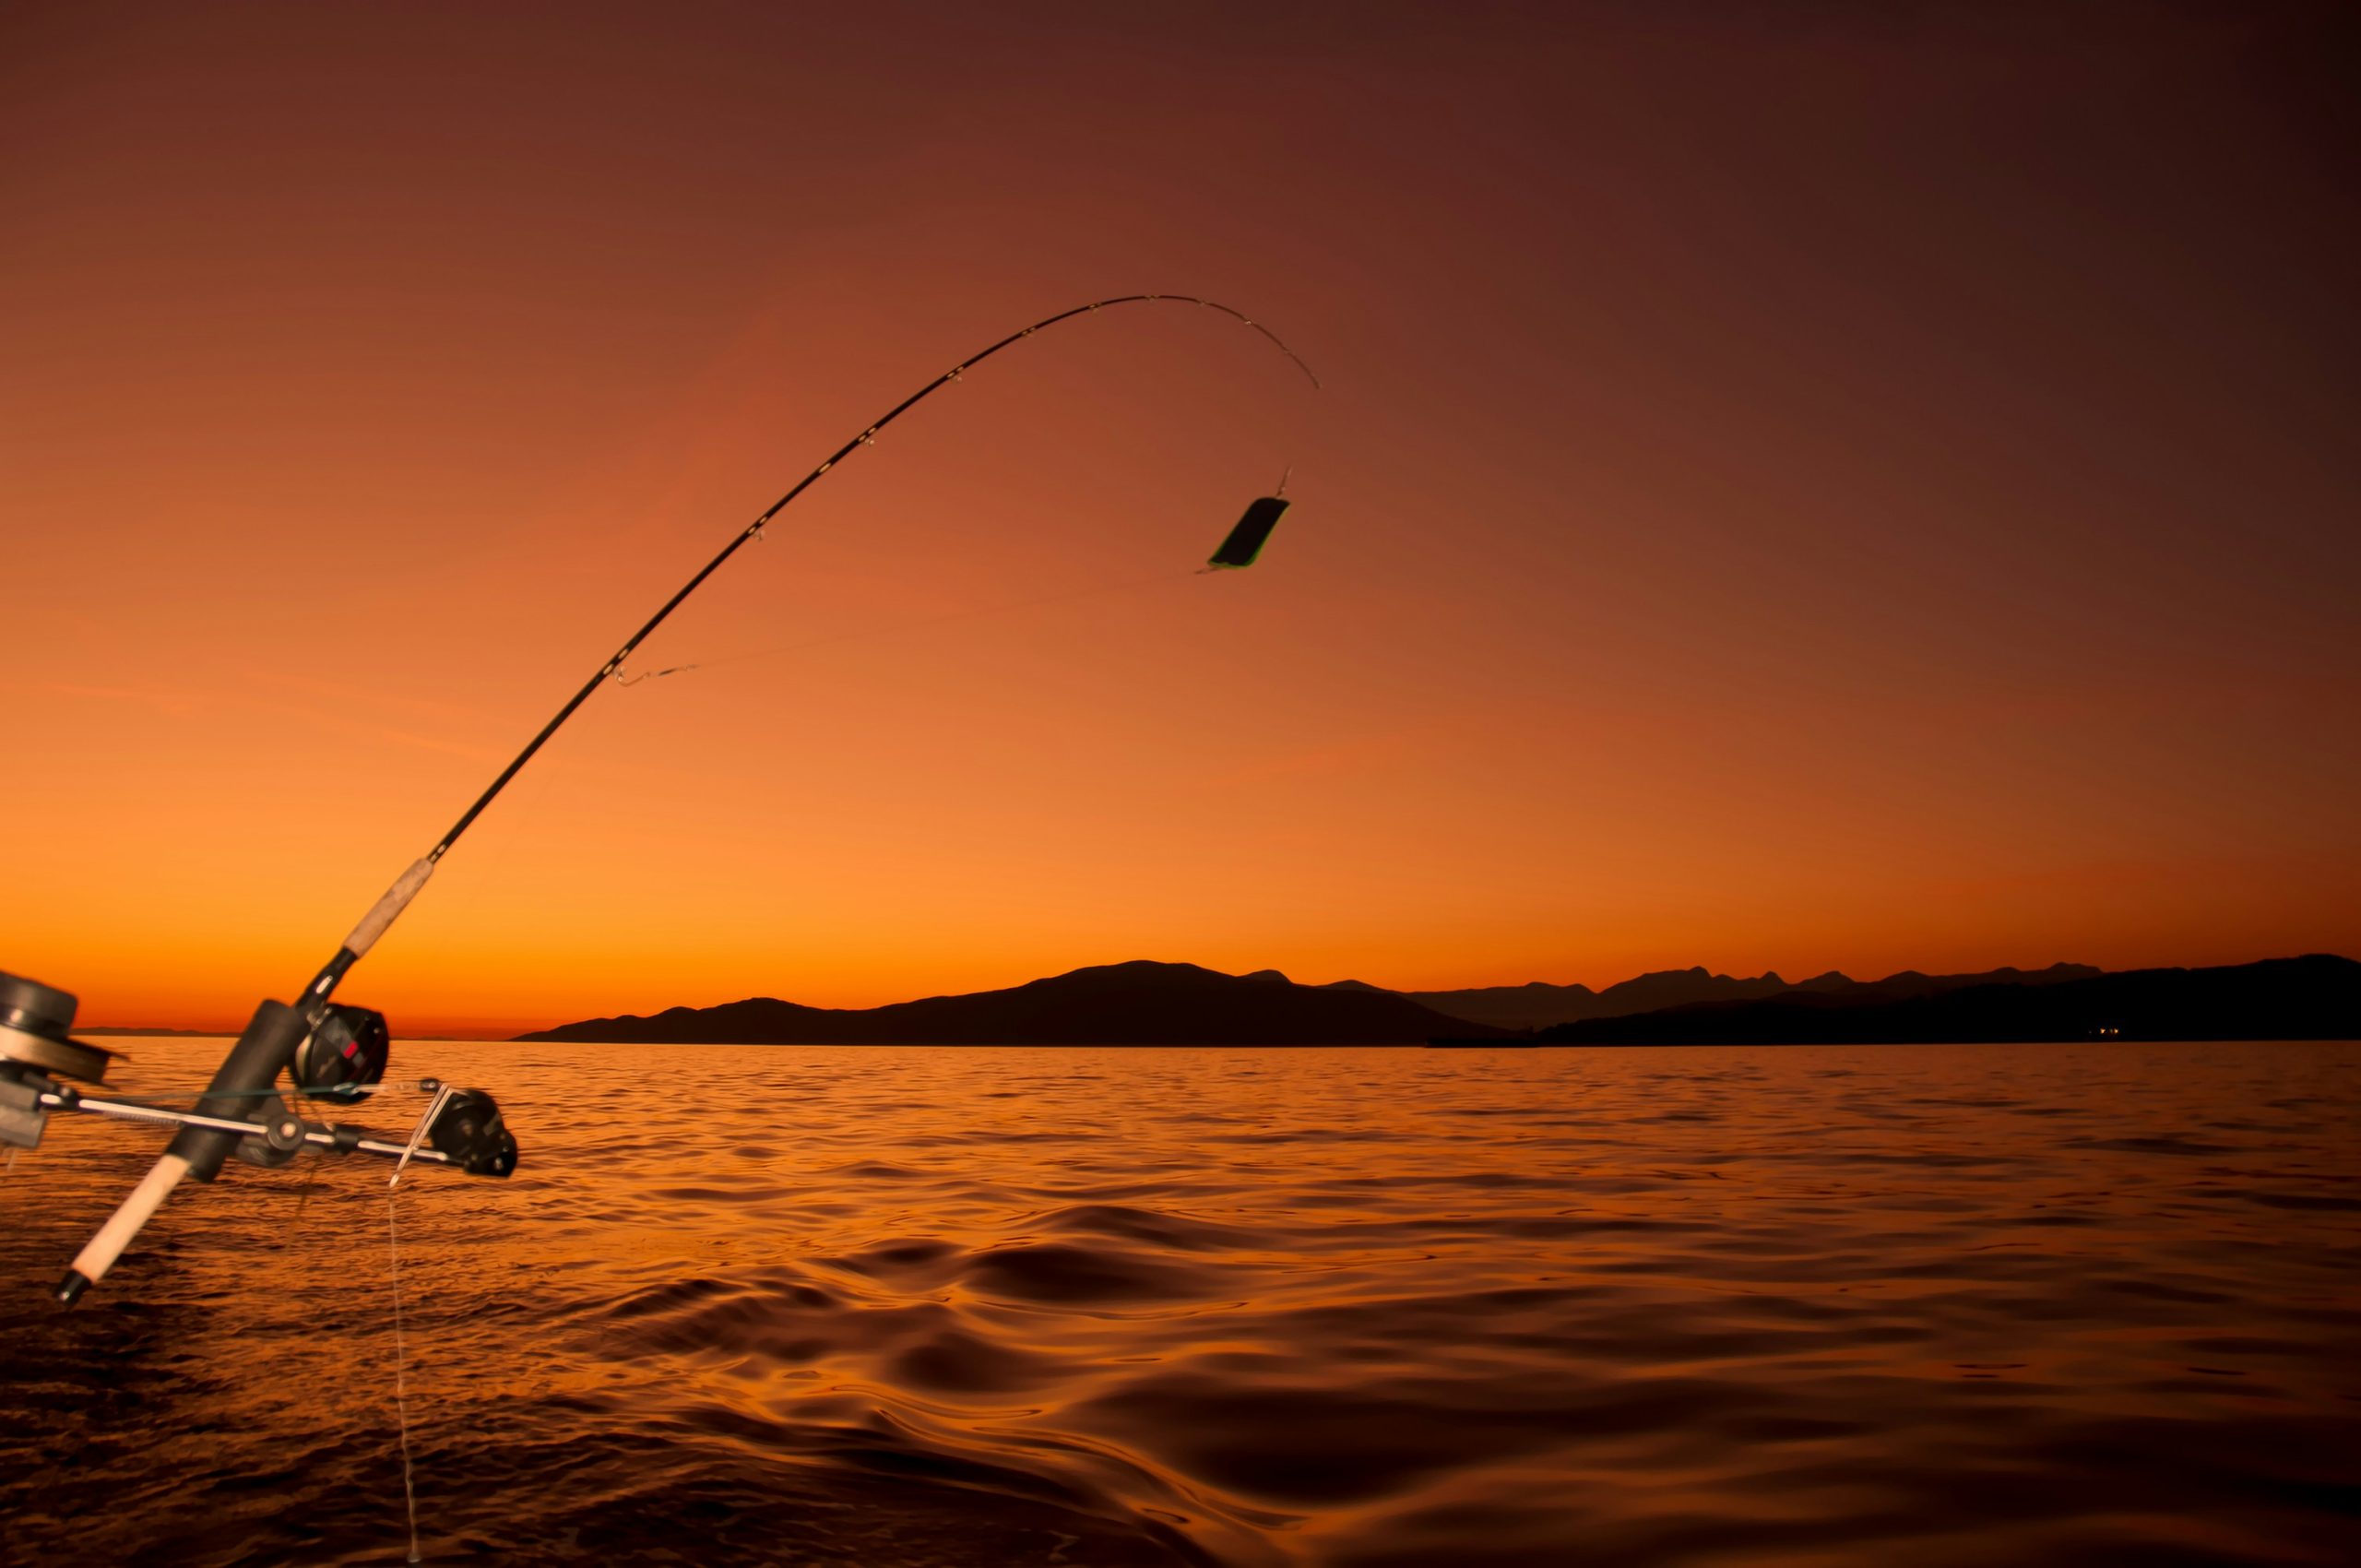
x: 1245, y: 540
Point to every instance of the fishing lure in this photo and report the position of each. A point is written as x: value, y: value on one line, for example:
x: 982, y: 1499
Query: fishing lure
x: 1245, y: 541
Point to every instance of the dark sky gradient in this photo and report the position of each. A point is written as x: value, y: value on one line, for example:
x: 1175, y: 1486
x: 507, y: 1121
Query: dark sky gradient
x: 1859, y: 486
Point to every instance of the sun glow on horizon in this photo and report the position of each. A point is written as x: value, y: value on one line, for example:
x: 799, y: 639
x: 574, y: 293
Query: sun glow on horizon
x: 1890, y: 524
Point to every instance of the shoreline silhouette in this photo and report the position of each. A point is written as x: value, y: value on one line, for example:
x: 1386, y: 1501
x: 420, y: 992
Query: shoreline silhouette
x: 1147, y: 1002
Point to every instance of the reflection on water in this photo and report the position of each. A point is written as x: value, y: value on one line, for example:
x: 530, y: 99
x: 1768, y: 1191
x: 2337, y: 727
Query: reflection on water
x: 759, y: 1304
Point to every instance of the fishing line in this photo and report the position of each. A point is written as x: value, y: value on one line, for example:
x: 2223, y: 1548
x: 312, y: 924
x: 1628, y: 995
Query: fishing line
x: 402, y: 1386
x: 326, y: 1043
x: 303, y: 1193
x: 406, y: 887
x: 525, y: 814
x: 948, y: 618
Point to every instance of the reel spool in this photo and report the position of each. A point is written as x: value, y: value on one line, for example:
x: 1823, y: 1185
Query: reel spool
x: 33, y: 1021
x: 346, y: 1055
x: 471, y: 1134
x: 342, y: 1059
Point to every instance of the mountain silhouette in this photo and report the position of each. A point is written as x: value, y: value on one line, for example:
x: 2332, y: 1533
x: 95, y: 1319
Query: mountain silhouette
x: 2316, y: 997
x: 1153, y: 1003
x: 1540, y: 1005
x: 1135, y: 1003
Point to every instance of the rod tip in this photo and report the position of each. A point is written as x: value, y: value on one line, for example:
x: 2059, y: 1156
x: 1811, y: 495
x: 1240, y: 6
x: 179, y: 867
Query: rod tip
x: 69, y: 1289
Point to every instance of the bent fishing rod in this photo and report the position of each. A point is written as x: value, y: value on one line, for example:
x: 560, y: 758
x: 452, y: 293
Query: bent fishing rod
x: 337, y: 1052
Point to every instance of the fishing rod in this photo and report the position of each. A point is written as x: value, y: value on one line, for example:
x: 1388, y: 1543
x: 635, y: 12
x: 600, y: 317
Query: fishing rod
x: 337, y: 1052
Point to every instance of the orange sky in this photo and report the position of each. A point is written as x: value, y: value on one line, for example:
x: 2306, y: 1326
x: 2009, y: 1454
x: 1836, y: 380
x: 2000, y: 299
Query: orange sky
x: 1869, y: 489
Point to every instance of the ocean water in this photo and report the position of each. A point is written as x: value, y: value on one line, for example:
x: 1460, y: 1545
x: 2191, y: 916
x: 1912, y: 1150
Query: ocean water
x: 2030, y: 1305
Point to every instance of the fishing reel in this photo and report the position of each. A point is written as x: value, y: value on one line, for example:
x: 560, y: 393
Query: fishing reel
x: 333, y: 1051
x: 34, y: 1019
x: 344, y: 1055
x: 344, y: 1059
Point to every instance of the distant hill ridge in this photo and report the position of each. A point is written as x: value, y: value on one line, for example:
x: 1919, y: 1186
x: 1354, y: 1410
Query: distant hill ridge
x: 1538, y: 1005
x: 1141, y: 1002
x: 1145, y: 1003
x: 2314, y: 997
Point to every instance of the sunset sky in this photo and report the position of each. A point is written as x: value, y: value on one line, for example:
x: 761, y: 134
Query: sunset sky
x: 1797, y: 487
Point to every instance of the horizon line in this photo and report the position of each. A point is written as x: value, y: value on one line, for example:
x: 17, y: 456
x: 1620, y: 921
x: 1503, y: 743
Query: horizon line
x: 480, y: 1027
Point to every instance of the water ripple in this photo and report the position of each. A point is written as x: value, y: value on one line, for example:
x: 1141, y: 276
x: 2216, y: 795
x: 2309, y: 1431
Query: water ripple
x: 2050, y: 1305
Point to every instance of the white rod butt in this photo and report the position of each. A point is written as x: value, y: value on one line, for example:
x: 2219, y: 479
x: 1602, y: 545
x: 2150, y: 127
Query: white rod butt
x: 117, y: 1233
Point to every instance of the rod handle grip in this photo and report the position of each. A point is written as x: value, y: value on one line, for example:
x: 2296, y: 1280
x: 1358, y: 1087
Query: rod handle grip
x: 385, y: 911
x: 98, y: 1255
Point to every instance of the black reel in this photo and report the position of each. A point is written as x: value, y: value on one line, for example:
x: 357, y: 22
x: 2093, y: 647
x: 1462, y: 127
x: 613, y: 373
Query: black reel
x: 471, y: 1134
x: 344, y: 1056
